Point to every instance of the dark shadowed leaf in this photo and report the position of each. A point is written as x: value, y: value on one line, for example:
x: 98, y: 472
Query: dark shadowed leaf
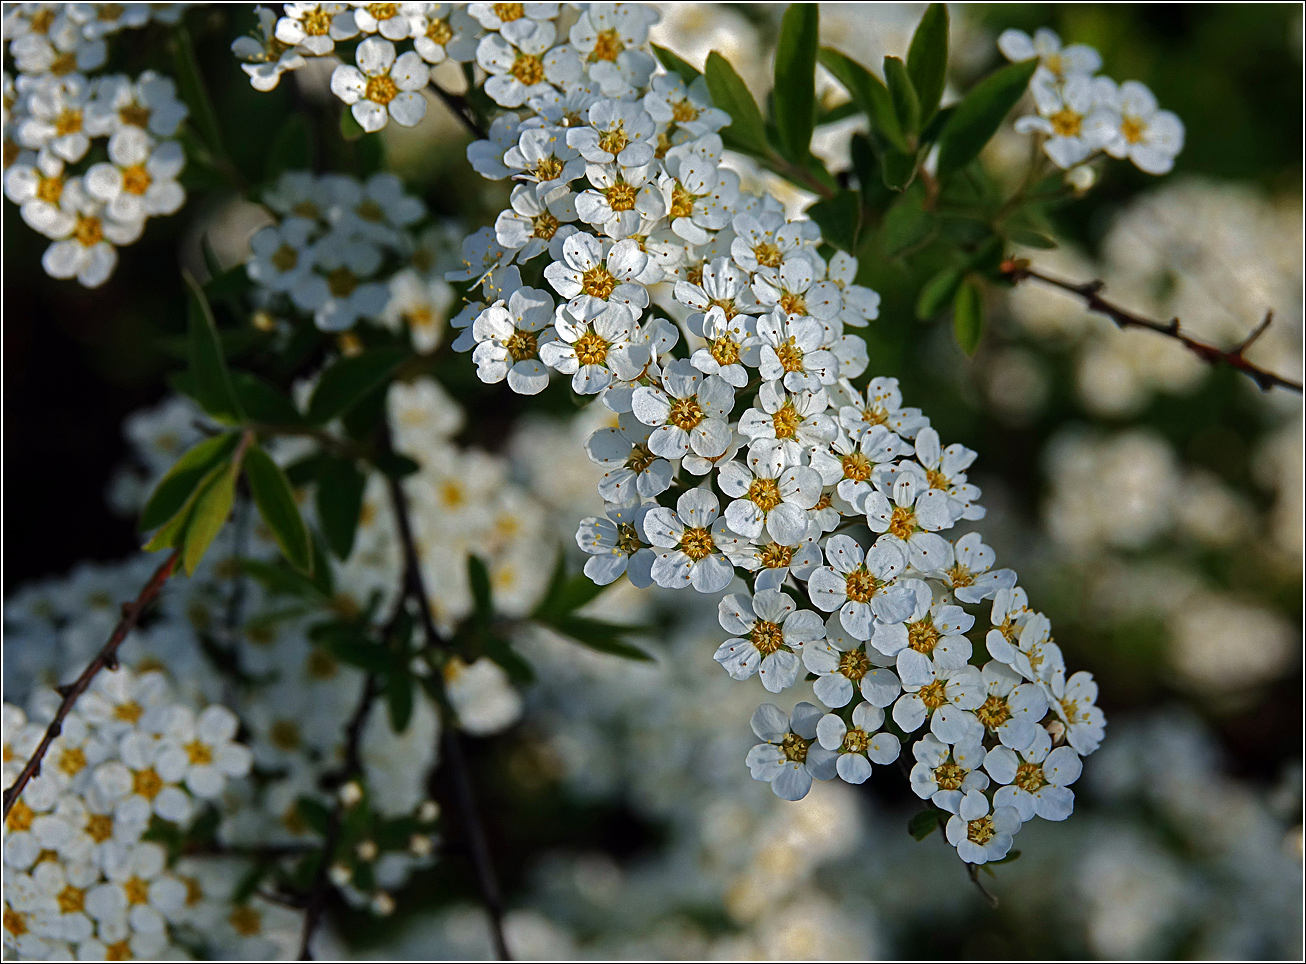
x: 276, y: 504
x: 979, y: 115
x: 795, y: 79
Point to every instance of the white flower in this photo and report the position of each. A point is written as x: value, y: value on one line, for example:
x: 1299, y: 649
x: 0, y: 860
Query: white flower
x: 945, y: 469
x: 764, y: 240
x: 620, y: 201
x: 768, y: 494
x: 789, y: 423
x: 593, y: 282
x: 486, y: 155
x: 140, y: 178
x: 769, y: 634
x: 631, y: 470
x: 514, y: 20
x: 1067, y: 117
x: 730, y: 346
x: 594, y: 352
x: 56, y: 118
x: 688, y: 412
x: 978, y: 835
x: 150, y: 103
x: 482, y: 695
x: 419, y: 304
x: 60, y: 50
x: 947, y: 700
x: 1056, y: 63
x: 1075, y: 701
x: 445, y: 32
x: 1037, y: 779
x: 1139, y: 130
x: 1026, y: 647
x: 1012, y: 709
x: 204, y: 748
x: 282, y: 255
x: 861, y: 585
x: 618, y: 133
x: 915, y: 515
x: 315, y: 27
x: 379, y: 209
x: 37, y: 187
x: 393, y: 21
x: 88, y: 235
x: 844, y: 461
x: 791, y: 757
x: 610, y: 35
x: 525, y: 67
x: 542, y: 156
x: 860, y: 304
x: 267, y: 57
x: 616, y: 546
x: 342, y: 295
x: 382, y: 86
x: 509, y: 337
x: 859, y: 746
x: 971, y: 576
x: 944, y: 774
x: 932, y: 636
x: 528, y: 228
x: 791, y: 350
x: 699, y: 198
x: 844, y: 664
x: 882, y: 405
x: 690, y: 108
x: 139, y: 897
x: 693, y: 542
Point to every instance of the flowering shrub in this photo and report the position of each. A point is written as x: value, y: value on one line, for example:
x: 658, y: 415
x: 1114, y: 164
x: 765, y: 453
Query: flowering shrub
x: 226, y: 797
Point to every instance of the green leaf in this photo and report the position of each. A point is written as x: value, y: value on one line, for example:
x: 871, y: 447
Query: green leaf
x: 837, y: 113
x: 602, y: 637
x: 1032, y: 239
x: 906, y: 105
x: 209, y: 516
x: 898, y: 169
x: 922, y: 824
x: 927, y: 59
x: 291, y: 148
x: 339, y: 503
x: 276, y: 504
x: 564, y: 596
x: 968, y: 317
x: 279, y: 578
x: 394, y: 465
x: 208, y: 368
x: 175, y: 488
x: 501, y: 651
x: 350, y: 129
x: 937, y: 292
x: 314, y: 813
x: 869, y: 93
x: 979, y: 115
x: 173, y: 533
x: 747, y: 132
x: 795, y: 79
x: 907, y: 223
x: 839, y: 218
x: 399, y: 698
x: 1011, y: 855
x: 349, y: 380
x: 682, y: 69
x: 478, y: 579
x: 262, y: 402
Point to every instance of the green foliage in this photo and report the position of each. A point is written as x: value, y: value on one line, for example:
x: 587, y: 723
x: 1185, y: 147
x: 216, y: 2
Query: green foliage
x: 176, y: 488
x: 839, y: 218
x: 795, y: 80
x: 977, y: 117
x: 937, y: 292
x: 209, y: 515
x: 746, y: 132
x: 564, y: 594
x: 262, y: 402
x: 276, y: 504
x: 924, y: 823
x: 349, y: 380
x: 210, y: 380
x: 870, y: 95
x: 602, y: 637
x: 927, y: 59
x: 340, y: 486
x: 291, y: 148
x: 399, y: 698
x: 906, y: 103
x: 684, y: 70
x: 968, y: 317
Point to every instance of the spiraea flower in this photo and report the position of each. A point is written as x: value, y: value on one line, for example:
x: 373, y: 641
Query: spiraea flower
x: 383, y: 86
x: 688, y: 412
x: 858, y: 745
x: 509, y: 337
x: 769, y: 634
x: 790, y: 758
x: 944, y: 774
x: 692, y: 541
x: 616, y: 545
x: 978, y: 834
x: 862, y: 585
x: 1036, y: 779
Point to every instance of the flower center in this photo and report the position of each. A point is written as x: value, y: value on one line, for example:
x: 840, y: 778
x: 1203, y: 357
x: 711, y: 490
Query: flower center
x: 284, y: 735
x: 640, y: 458
x: 316, y: 22
x: 20, y: 817
x: 949, y: 776
x: 860, y: 586
x: 856, y: 467
x: 683, y: 111
x: 137, y: 891
x: 790, y: 355
x: 15, y: 923
x: 369, y: 210
x: 961, y: 577
x: 765, y: 493
x: 1066, y: 123
x: 786, y: 421
x: 793, y: 304
x: 118, y: 951
x: 685, y: 413
x: 697, y: 543
x: 42, y: 21
x: 1029, y: 777
x: 795, y: 748
x: 767, y: 637
x: 134, y: 114
x: 1133, y: 129
x: 607, y: 45
x: 547, y: 168
x: 933, y: 695
x: 508, y: 12
x: 198, y: 753
x: 724, y: 350
x: 903, y: 522
x: 72, y: 760
x: 522, y: 345
x: 99, y: 827
x: 980, y: 831
x: 64, y: 64
x: 776, y: 556
x: 341, y: 282
x: 147, y: 783
x: 381, y: 89
x: 694, y: 275
x: 682, y: 202
x: 591, y: 349
x: 545, y: 226
x: 922, y: 636
x: 528, y: 69
x: 68, y: 122
x: 136, y: 179
x: 246, y: 921
x: 284, y: 258
x: 71, y: 899
x: 767, y: 254
x: 854, y: 664
x: 628, y: 540
x: 49, y: 189
x: 993, y: 712
x: 598, y: 282
x: 621, y: 196
x: 439, y: 32
x: 856, y: 740
x: 89, y: 231
x: 383, y: 11
x: 615, y: 140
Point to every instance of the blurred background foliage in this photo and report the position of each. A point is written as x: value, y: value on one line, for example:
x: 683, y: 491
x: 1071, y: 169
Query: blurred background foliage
x: 1152, y: 507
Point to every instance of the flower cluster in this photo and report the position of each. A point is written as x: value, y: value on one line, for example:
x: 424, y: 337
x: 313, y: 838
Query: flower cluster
x: 54, y: 111
x: 344, y: 249
x: 1081, y: 115
x: 748, y: 453
x: 82, y: 879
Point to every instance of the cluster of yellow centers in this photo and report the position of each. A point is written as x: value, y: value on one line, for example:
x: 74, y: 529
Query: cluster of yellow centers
x: 1029, y: 777
x: 949, y: 776
x: 765, y: 494
x: 902, y: 522
x: 724, y: 350
x: 795, y: 748
x: 136, y: 179
x: 1066, y: 122
x: 341, y: 282
x: 922, y: 636
x: 685, y: 413
x: 790, y: 356
x: 860, y: 586
x: 439, y: 32
x: 598, y: 282
x: 544, y: 226
x: 621, y: 196
x: 640, y: 458
x: 980, y: 831
x: 776, y: 556
x: 1133, y: 129
x: 993, y: 712
x: 381, y: 89
x: 628, y: 540
x: 591, y: 349
x: 522, y: 345
x: 615, y: 140
x: 697, y: 543
x: 793, y: 304
x: 547, y: 168
x: 682, y: 202
x: 88, y: 231
x: 856, y: 466
x: 527, y: 68
x: 684, y: 111
x: 607, y: 45
x: 316, y: 23
x: 786, y: 421
x: 856, y: 740
x: 767, y: 637
x: 854, y: 664
x: 934, y: 694
x: 767, y: 254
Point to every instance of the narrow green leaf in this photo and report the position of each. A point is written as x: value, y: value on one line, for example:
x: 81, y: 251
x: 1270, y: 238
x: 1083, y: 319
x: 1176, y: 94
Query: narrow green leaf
x: 1032, y: 239
x: 314, y: 813
x: 346, y: 382
x: 262, y: 402
x: 968, y: 317
x: 979, y: 115
x: 937, y: 292
x: 565, y: 595
x: 923, y: 823
x: 339, y: 503
x: 795, y: 79
x: 837, y: 113
x: 276, y: 504
x: 927, y: 59
x: 350, y: 129
x: 394, y: 465
x: 839, y: 218
x: 906, y: 105
x: 898, y: 169
x: 208, y: 367
x: 175, y: 488
x: 478, y: 579
x: 279, y: 578
x: 501, y: 651
x: 682, y: 69
x: 907, y: 223
x: 173, y: 533
x: 869, y: 93
x: 747, y: 132
x: 209, y: 516
x: 291, y: 149
x: 399, y: 698
x: 602, y: 637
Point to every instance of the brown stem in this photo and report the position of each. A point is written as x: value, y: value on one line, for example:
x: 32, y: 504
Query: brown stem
x: 1090, y: 291
x: 989, y: 898
x: 460, y: 108
x: 107, y: 658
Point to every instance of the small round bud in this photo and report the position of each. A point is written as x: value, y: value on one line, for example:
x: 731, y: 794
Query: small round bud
x: 383, y: 905
x: 263, y: 320
x: 366, y: 850
x: 351, y: 793
x: 340, y: 874
x: 1081, y: 178
x: 1057, y: 730
x: 420, y: 845
x: 428, y: 812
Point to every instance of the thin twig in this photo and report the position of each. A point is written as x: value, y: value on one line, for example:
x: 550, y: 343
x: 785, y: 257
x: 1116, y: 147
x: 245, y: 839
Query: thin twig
x: 460, y: 108
x: 1090, y: 291
x: 973, y: 871
x: 478, y: 847
x: 107, y: 658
